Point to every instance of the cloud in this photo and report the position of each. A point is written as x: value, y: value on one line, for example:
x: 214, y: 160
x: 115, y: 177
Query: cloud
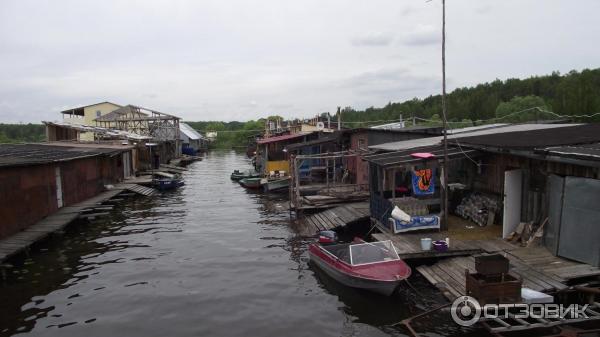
x: 483, y: 9
x: 421, y: 35
x: 390, y: 83
x: 375, y: 39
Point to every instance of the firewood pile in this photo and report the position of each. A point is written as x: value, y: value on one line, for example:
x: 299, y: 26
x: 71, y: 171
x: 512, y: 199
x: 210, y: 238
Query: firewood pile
x: 527, y: 233
x: 479, y: 208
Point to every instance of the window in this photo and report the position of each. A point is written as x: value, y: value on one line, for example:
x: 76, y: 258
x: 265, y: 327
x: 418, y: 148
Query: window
x: 98, y: 113
x: 361, y: 143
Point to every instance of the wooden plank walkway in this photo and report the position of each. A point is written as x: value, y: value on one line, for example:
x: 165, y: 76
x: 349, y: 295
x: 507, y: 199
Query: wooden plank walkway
x: 143, y: 190
x: 541, y: 259
x: 408, y: 245
x: 448, y: 275
x: 338, y: 216
x: 22, y: 240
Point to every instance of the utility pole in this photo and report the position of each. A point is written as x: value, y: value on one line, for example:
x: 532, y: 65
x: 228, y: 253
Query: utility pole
x: 444, y: 114
x: 339, y: 116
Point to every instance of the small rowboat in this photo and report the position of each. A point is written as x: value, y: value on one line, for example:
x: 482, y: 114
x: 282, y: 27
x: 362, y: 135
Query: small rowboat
x: 276, y: 184
x: 252, y: 183
x: 238, y: 175
x: 373, y: 266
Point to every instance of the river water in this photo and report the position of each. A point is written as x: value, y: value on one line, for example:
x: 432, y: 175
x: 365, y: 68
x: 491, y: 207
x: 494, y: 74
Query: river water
x: 210, y: 259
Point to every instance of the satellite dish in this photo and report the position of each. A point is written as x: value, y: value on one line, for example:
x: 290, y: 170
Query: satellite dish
x: 320, y: 125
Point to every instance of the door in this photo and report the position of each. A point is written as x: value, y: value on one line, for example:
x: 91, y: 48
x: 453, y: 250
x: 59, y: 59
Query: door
x: 579, y: 227
x: 555, y: 188
x: 59, y: 194
x: 126, y: 165
x: 513, y: 181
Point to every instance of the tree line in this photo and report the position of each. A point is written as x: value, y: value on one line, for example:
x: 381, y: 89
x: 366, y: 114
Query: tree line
x: 21, y: 133
x: 574, y: 93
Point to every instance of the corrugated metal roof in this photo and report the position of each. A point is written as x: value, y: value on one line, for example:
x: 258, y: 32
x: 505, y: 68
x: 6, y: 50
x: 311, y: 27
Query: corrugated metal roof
x: 465, y: 132
x: 280, y: 138
x: 585, y: 151
x: 572, y: 135
x: 99, y: 130
x: 401, y: 158
x: 189, y: 131
x: 33, y: 154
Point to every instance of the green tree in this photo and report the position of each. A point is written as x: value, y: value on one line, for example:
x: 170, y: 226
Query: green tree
x: 522, y: 109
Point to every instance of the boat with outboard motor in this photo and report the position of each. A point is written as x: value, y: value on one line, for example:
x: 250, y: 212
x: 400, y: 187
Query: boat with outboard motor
x: 238, y: 175
x: 373, y: 266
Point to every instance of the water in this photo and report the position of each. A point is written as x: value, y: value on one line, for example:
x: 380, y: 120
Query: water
x: 209, y: 259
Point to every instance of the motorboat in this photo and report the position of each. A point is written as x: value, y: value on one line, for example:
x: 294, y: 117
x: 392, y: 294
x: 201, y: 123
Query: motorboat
x: 373, y: 266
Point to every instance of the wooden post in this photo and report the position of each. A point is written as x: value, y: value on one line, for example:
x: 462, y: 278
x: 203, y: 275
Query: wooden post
x: 327, y: 174
x: 394, y: 185
x: 445, y: 168
x: 292, y: 182
x: 383, y: 182
x: 297, y: 177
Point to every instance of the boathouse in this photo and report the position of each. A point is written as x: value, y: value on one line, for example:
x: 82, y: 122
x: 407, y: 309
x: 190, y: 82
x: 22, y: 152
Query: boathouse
x: 36, y: 180
x: 360, y: 139
x: 272, y: 152
x: 192, y: 141
x: 542, y: 175
x: 547, y: 176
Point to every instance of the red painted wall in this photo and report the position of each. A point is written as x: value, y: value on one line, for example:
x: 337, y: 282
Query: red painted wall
x: 357, y: 167
x: 28, y: 193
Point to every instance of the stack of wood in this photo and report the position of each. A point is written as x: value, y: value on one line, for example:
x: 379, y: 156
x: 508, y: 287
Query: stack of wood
x: 479, y: 208
x: 527, y: 233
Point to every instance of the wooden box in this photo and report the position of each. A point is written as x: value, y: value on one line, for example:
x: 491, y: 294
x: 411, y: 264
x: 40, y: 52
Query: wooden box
x: 499, y: 288
x: 491, y: 264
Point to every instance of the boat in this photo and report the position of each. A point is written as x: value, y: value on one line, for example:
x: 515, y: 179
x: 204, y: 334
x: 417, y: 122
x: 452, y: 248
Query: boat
x: 252, y: 183
x: 276, y: 185
x: 238, y: 175
x: 373, y: 266
x: 166, y: 181
x: 164, y: 184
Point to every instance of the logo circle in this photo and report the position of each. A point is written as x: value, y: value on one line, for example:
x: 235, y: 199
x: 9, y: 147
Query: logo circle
x: 465, y: 310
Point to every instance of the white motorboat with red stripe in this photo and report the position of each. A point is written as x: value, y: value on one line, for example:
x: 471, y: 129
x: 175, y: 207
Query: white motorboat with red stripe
x: 373, y: 266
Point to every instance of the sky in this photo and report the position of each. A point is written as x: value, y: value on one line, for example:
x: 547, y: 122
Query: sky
x: 241, y: 60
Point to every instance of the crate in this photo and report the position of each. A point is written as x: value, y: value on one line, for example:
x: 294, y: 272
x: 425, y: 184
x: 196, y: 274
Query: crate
x: 499, y: 288
x: 494, y: 264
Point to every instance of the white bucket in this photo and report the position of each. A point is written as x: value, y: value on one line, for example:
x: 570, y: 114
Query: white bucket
x: 426, y: 243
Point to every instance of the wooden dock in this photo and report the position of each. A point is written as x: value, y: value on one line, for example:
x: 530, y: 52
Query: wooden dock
x: 338, y: 216
x: 539, y: 269
x: 448, y: 275
x: 57, y: 221
x: 22, y: 240
x: 139, y: 189
x: 408, y: 245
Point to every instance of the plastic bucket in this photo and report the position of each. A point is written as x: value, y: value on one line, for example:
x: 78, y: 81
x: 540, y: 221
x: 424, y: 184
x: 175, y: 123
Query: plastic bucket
x: 426, y: 243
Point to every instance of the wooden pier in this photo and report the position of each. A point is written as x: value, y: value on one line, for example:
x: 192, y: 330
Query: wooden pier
x: 336, y: 217
x: 21, y: 241
x: 538, y: 268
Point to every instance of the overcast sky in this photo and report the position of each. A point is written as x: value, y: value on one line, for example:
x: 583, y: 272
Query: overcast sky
x: 240, y: 60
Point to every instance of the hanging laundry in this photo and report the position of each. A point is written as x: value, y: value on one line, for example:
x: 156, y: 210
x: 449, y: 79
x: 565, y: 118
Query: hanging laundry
x: 423, y: 181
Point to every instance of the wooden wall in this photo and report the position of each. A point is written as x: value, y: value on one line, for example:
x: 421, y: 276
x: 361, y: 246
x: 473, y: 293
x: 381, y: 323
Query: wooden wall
x: 28, y: 193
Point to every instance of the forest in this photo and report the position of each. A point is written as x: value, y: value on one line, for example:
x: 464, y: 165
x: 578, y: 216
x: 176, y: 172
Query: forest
x: 19, y: 133
x: 574, y: 94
